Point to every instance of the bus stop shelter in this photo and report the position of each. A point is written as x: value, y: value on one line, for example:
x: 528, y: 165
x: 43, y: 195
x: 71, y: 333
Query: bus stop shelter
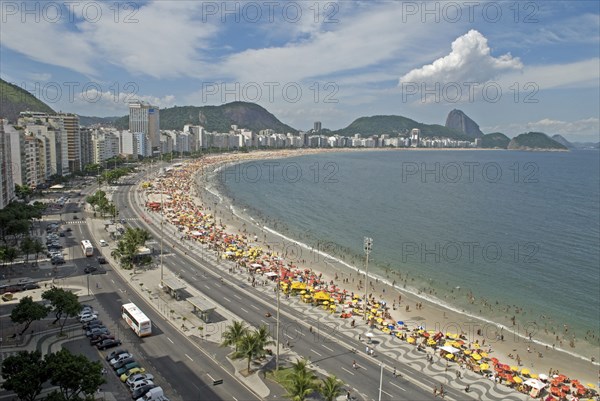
x: 202, y: 308
x: 173, y: 286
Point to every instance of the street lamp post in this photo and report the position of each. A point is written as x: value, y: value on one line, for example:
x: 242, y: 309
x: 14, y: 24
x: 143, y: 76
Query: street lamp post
x: 368, y: 242
x: 162, y: 223
x: 277, y: 325
x: 380, y: 381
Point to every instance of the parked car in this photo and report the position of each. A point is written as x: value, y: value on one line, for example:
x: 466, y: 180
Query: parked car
x: 137, y: 393
x: 139, y: 384
x: 101, y: 260
x: 127, y: 368
x: 97, y: 331
x: 103, y: 243
x: 92, y: 324
x: 95, y: 340
x: 123, y: 362
x: 109, y: 343
x: 139, y: 377
x: 88, y: 318
x: 130, y: 372
x: 85, y: 310
x: 120, y: 357
x: 116, y: 353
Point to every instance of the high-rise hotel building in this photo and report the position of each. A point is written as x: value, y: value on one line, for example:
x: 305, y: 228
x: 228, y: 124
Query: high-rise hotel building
x: 145, y: 118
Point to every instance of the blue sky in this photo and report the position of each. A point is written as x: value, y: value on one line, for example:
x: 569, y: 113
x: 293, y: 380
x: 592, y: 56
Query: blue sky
x: 511, y: 66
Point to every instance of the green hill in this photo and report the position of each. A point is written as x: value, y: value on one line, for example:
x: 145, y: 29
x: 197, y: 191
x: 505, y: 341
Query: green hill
x: 535, y: 141
x: 14, y: 100
x: 495, y: 140
x: 396, y: 125
x: 217, y: 118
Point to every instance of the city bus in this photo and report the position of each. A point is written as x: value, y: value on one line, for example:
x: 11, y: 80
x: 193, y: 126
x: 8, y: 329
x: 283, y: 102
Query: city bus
x: 136, y: 319
x: 88, y: 249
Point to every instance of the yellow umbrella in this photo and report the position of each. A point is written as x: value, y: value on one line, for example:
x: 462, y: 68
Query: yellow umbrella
x: 484, y: 366
x: 514, y: 368
x: 333, y: 306
x: 374, y: 310
x: 525, y: 371
x: 534, y: 376
x: 518, y: 380
x: 475, y: 346
x: 590, y: 385
x: 379, y: 320
x: 325, y: 302
x: 449, y: 356
x: 484, y: 354
x: 303, y: 292
x: 468, y: 352
x: 355, y: 301
x: 411, y: 340
x: 476, y: 357
x: 430, y: 342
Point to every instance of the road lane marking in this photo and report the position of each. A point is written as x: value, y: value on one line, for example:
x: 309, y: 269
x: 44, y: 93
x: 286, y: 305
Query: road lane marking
x: 316, y: 352
x: 264, y: 322
x: 237, y: 296
x: 385, y: 392
x: 227, y: 299
x: 288, y: 336
x: 352, y: 373
x: 170, y: 340
x: 189, y: 357
x: 207, y: 286
x: 326, y: 347
x: 395, y: 385
x: 255, y: 307
x: 244, y: 310
x: 210, y: 377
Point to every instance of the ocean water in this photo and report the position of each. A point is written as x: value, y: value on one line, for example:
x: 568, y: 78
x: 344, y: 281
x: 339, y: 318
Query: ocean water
x: 494, y: 233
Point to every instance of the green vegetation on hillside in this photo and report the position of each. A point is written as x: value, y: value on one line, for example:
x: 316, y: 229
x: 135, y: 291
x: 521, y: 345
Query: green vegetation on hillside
x: 14, y: 100
x: 396, y: 125
x: 495, y: 140
x: 217, y: 118
x: 534, y: 140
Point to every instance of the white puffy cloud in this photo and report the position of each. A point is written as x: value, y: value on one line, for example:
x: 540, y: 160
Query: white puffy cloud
x: 469, y: 61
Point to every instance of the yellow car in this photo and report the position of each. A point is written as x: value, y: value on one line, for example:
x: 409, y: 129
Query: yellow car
x: 130, y: 372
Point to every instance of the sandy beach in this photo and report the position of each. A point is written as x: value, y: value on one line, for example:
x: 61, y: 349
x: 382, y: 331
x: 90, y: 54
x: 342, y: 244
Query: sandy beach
x: 414, y: 307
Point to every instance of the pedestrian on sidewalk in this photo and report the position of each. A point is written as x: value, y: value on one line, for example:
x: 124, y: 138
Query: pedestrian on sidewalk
x: 394, y: 373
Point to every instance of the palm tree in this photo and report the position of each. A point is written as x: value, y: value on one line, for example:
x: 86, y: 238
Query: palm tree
x: 248, y: 347
x: 233, y: 334
x: 264, y: 338
x: 302, y: 381
x: 330, y: 388
x: 27, y: 247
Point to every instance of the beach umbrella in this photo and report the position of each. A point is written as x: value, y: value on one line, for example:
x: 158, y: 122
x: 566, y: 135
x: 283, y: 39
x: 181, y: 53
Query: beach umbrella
x: 411, y: 340
x: 484, y: 366
x: 369, y: 334
x: 590, y: 385
x: 476, y: 357
x: 400, y: 323
x: 449, y: 356
x: 514, y: 368
x: 534, y: 376
x: 525, y: 371
x: 468, y: 352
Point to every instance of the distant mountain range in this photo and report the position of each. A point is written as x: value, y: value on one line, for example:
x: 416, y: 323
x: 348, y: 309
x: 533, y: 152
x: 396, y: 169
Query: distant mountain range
x: 396, y: 125
x: 534, y: 141
x: 217, y: 118
x: 576, y: 145
x: 14, y: 99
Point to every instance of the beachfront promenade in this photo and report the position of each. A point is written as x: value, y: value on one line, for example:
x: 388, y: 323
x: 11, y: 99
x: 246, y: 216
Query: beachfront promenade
x: 328, y: 349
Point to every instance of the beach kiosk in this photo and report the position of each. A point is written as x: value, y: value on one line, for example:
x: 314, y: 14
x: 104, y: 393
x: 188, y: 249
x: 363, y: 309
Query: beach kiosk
x: 202, y: 307
x: 173, y: 286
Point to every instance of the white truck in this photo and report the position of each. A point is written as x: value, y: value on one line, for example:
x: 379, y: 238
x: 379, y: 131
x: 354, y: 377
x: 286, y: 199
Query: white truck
x: 154, y: 394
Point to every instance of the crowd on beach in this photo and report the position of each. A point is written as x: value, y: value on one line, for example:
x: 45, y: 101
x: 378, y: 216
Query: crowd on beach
x: 172, y: 196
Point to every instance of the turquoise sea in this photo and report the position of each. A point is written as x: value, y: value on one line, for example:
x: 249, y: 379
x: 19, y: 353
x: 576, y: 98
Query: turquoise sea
x: 496, y: 233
